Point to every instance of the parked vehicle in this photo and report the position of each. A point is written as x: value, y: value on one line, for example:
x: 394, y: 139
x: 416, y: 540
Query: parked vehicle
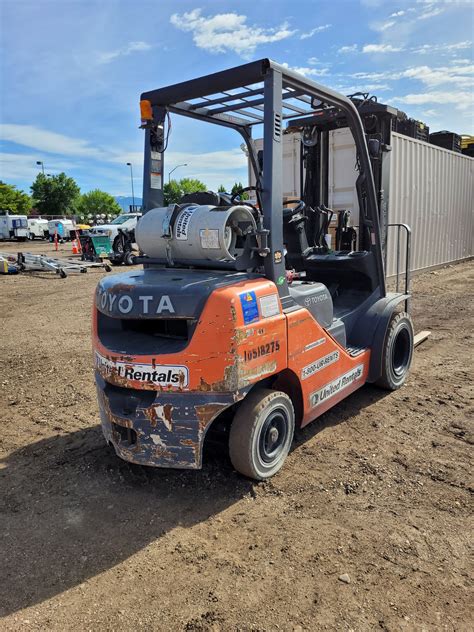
x: 38, y: 228
x: 13, y: 226
x: 64, y: 227
x: 126, y: 223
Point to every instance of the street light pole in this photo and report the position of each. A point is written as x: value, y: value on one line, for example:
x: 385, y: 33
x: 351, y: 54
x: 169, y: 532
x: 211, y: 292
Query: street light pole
x: 169, y: 174
x: 129, y: 164
x: 38, y: 162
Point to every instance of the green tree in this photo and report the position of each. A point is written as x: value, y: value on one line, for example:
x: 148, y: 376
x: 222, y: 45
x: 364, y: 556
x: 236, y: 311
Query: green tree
x: 14, y: 201
x: 173, y: 191
x: 222, y: 189
x: 55, y: 195
x: 237, y: 189
x: 96, y: 202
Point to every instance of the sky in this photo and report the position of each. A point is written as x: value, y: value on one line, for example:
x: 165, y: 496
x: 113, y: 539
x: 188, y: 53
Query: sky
x: 72, y: 71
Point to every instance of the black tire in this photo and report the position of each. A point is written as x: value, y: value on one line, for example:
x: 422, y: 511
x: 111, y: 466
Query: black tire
x: 261, y: 433
x: 31, y: 236
x: 129, y: 259
x: 397, y: 352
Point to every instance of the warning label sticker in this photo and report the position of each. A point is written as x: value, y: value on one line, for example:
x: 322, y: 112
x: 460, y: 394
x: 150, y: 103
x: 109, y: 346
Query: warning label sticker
x: 210, y: 238
x: 269, y: 305
x: 248, y: 301
x: 155, y: 180
x: 182, y: 222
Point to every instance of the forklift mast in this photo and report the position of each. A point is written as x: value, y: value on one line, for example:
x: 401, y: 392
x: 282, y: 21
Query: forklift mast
x: 378, y: 120
x: 266, y: 93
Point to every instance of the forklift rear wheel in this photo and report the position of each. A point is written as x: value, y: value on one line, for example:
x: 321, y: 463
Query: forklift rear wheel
x: 397, y: 352
x: 261, y: 433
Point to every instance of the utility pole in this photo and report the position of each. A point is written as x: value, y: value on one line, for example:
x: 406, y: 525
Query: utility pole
x: 169, y: 174
x: 129, y: 164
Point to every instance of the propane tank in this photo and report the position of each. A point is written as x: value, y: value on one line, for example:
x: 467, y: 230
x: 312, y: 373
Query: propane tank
x: 198, y: 232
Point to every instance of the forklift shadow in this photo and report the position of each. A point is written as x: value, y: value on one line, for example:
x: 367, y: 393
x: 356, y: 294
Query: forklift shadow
x: 73, y: 509
x: 346, y: 410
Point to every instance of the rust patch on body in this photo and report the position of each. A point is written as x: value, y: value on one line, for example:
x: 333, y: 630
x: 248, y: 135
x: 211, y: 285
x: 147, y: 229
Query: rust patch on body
x: 248, y: 375
x: 206, y: 414
x: 160, y: 412
x: 188, y: 442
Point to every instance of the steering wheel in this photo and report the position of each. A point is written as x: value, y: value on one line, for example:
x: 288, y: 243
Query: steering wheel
x: 300, y: 206
x: 233, y: 200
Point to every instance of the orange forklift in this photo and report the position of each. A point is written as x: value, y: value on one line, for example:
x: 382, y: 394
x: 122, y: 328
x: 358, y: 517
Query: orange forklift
x: 242, y: 317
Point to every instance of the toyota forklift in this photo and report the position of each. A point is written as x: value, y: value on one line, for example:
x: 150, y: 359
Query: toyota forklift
x: 242, y: 317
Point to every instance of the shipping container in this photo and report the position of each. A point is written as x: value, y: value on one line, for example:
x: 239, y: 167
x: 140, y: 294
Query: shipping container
x: 430, y: 188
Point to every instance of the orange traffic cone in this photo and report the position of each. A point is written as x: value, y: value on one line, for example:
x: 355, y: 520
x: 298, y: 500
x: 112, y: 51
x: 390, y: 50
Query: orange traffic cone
x: 75, y: 249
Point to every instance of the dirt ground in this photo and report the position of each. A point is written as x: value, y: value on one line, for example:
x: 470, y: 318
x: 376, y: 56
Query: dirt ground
x: 379, y: 489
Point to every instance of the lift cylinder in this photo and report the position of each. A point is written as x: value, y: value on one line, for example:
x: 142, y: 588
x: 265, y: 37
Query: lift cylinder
x: 199, y: 232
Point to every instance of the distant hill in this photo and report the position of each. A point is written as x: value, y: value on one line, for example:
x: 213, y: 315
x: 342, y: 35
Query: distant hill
x: 125, y: 202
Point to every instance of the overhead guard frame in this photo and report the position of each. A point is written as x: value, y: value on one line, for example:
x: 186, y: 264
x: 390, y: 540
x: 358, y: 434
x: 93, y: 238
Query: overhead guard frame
x: 268, y: 93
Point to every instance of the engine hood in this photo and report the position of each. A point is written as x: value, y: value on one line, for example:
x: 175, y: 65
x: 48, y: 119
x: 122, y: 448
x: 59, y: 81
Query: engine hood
x: 162, y: 293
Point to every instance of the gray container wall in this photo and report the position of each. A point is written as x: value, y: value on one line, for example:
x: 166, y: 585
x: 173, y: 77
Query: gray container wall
x: 431, y: 190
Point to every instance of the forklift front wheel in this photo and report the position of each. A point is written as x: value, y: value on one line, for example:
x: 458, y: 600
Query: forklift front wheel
x: 397, y: 352
x: 261, y: 433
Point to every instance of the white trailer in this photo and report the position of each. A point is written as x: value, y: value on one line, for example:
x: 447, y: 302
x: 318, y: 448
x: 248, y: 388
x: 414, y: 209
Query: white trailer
x: 38, y: 228
x: 13, y: 226
x: 64, y: 228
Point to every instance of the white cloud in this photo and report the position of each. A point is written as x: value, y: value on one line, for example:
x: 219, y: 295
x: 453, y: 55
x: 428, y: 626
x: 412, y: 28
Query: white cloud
x: 363, y: 87
x: 132, y: 47
x: 380, y: 48
x: 461, y: 100
x: 386, y: 25
x: 458, y: 75
x: 443, y: 48
x: 227, y: 31
x: 318, y: 29
x: 348, y: 49
x: 307, y: 71
x: 218, y: 161
x: 213, y: 168
x: 397, y: 14
x: 375, y: 76
x: 430, y: 12
x: 51, y: 142
x: 14, y: 167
